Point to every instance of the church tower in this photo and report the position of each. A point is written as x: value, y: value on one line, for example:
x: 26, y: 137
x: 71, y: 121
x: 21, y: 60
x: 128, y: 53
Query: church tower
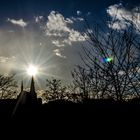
x: 21, y: 86
x: 32, y: 91
x: 26, y: 101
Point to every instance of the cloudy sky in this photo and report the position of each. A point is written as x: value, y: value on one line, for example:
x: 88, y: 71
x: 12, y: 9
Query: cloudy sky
x: 49, y: 33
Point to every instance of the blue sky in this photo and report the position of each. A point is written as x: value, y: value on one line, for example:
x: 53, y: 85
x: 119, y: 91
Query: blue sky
x: 27, y: 8
x: 48, y: 33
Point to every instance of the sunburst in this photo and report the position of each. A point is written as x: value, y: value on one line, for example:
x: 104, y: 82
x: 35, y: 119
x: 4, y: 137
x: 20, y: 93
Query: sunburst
x: 32, y: 70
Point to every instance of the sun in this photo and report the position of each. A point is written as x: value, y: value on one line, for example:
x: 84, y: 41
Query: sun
x: 32, y: 70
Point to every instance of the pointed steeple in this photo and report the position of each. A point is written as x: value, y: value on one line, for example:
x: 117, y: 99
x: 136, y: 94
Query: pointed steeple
x: 21, y: 86
x: 32, y: 90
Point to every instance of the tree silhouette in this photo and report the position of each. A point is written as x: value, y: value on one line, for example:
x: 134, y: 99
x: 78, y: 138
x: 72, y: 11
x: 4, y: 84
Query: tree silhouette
x: 54, y: 89
x: 72, y: 93
x: 81, y: 80
x: 111, y: 62
x: 8, y: 87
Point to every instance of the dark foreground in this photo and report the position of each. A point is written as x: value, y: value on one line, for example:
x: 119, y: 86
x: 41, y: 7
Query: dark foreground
x: 61, y: 110
x: 91, y: 115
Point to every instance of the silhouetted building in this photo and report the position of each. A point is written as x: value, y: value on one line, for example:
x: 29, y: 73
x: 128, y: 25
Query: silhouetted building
x: 27, y: 101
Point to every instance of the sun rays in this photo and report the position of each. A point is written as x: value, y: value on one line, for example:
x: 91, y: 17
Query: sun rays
x: 32, y: 70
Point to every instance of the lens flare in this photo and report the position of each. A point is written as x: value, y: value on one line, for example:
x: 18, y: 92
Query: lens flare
x: 108, y: 59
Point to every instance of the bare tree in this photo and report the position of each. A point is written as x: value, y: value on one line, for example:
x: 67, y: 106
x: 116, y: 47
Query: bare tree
x: 111, y: 62
x: 54, y: 90
x: 81, y: 81
x: 73, y: 94
x: 8, y: 87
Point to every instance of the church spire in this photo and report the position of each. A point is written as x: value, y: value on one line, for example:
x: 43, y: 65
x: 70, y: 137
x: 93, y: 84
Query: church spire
x: 32, y: 88
x: 32, y: 91
x: 21, y: 86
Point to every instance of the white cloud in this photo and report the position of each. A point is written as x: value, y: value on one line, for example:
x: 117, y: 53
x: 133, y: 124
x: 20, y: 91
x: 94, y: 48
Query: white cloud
x: 68, y: 20
x: 75, y: 36
x: 4, y: 59
x: 38, y: 18
x: 19, y: 22
x: 77, y: 19
x: 56, y: 22
x: 57, y: 43
x: 61, y: 32
x: 58, y: 53
x: 67, y: 41
x: 58, y: 26
x: 80, y: 19
x: 118, y: 25
x: 79, y: 13
x: 122, y: 16
x: 116, y: 10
